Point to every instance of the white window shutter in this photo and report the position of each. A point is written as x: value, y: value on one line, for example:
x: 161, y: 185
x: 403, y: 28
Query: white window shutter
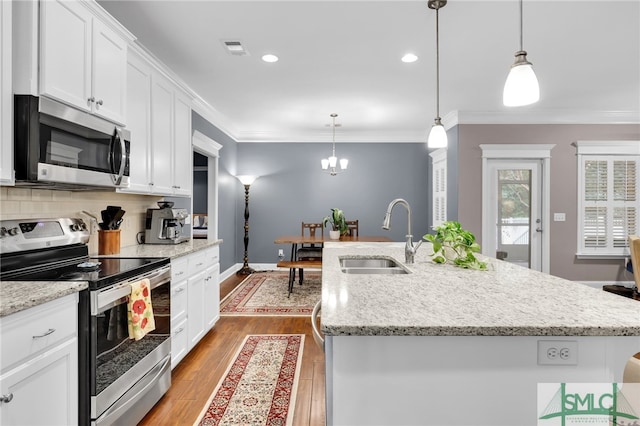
x: 608, y: 203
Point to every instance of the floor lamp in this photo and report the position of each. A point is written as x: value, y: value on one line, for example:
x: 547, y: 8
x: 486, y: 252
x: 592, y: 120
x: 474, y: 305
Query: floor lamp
x: 246, y: 180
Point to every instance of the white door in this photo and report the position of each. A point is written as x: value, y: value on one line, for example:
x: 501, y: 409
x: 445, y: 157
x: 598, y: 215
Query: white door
x: 515, y: 212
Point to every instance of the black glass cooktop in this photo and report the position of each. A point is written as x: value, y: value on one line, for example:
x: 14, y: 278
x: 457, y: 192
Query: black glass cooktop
x: 98, y: 271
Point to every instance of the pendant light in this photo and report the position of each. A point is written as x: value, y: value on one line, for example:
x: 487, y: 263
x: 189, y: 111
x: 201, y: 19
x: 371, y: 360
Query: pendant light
x: 521, y: 87
x: 330, y: 164
x: 438, y: 135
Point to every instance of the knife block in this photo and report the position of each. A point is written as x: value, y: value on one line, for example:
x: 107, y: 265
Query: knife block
x: 108, y: 241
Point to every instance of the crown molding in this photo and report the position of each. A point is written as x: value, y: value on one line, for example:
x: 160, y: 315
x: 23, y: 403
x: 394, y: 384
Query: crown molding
x: 450, y: 120
x: 529, y: 116
x: 373, y: 136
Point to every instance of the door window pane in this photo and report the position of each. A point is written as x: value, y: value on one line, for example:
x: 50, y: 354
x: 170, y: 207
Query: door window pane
x: 514, y: 215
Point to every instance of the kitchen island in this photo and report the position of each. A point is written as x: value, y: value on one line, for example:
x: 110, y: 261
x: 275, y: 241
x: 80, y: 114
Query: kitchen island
x: 447, y: 346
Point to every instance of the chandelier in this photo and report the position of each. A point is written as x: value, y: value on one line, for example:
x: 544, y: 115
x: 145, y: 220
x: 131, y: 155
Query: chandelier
x: 330, y: 164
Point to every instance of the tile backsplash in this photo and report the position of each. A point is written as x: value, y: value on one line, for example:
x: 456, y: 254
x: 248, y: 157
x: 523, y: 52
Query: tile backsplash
x: 28, y: 203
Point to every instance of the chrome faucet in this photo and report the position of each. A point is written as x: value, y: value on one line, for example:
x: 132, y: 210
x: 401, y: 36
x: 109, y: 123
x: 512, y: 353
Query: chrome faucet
x: 409, y: 248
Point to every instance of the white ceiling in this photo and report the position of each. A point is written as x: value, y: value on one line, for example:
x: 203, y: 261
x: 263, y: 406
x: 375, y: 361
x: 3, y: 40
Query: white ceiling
x: 344, y: 57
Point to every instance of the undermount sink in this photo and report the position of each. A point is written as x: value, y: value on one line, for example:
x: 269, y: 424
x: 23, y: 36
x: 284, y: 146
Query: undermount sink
x: 371, y: 265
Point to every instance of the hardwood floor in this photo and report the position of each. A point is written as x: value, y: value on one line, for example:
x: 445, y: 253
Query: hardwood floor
x: 195, y: 378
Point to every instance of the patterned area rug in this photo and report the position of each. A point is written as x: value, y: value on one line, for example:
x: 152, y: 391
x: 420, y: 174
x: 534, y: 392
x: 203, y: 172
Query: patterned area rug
x: 259, y: 386
x: 265, y: 293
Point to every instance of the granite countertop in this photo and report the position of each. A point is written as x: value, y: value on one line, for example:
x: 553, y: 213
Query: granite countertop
x: 16, y: 296
x: 444, y: 300
x: 166, y: 250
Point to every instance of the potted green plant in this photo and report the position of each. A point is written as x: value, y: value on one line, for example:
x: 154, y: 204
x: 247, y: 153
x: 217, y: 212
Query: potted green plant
x: 452, y: 243
x: 338, y: 223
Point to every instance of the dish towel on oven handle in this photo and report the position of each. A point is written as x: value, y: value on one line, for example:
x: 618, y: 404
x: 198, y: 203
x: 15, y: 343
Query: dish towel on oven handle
x: 140, y: 311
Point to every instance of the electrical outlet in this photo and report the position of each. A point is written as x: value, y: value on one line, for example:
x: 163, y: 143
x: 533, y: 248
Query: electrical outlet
x: 557, y: 352
x: 280, y: 254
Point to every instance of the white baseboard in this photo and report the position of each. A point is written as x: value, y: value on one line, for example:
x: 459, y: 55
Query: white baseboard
x: 599, y: 284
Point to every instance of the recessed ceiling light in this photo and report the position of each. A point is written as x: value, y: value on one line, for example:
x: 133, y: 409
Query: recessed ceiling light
x: 409, y: 57
x: 270, y: 58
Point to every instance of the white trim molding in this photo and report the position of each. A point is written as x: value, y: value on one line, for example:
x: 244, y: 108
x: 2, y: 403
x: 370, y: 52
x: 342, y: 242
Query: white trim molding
x: 517, y: 151
x: 515, y: 116
x: 540, y: 152
x: 608, y: 147
x: 205, y: 145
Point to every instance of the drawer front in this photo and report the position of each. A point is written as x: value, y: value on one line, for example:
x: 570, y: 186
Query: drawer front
x: 212, y: 256
x: 37, y: 329
x: 179, y: 342
x: 179, y: 269
x: 179, y: 300
x: 197, y: 262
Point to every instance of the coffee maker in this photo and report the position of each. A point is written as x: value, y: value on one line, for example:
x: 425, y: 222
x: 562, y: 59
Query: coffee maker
x: 165, y: 224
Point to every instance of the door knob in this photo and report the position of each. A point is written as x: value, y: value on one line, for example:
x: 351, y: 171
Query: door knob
x: 6, y: 398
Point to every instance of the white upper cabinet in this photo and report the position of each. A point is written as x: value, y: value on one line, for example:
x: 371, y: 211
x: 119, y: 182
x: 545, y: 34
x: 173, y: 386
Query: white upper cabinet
x: 139, y: 123
x: 182, y: 150
x: 161, y: 135
x: 109, y: 73
x: 82, y: 61
x: 159, y: 118
x: 6, y: 98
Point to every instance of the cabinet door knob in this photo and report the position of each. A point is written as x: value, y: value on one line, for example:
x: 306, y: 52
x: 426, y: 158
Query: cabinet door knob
x: 91, y: 99
x: 6, y: 398
x: 99, y: 102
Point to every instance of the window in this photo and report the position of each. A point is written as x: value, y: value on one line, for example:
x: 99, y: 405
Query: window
x: 608, y: 197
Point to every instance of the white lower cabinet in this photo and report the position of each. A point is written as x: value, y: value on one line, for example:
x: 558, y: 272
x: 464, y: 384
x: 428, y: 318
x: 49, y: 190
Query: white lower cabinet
x: 212, y: 288
x: 39, y: 371
x: 211, y: 297
x: 179, y: 342
x: 195, y: 300
x: 196, y: 308
x: 179, y: 306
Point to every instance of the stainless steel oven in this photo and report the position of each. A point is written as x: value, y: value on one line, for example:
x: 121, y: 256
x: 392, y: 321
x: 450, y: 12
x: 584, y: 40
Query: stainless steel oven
x: 127, y: 377
x: 120, y: 379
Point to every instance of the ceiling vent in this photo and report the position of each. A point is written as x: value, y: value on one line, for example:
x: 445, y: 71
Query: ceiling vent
x: 235, y: 47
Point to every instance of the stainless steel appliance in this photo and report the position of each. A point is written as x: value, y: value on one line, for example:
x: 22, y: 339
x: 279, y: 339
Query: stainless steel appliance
x: 120, y: 379
x: 165, y: 225
x: 57, y: 145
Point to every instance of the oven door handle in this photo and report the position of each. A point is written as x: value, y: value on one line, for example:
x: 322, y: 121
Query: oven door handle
x: 103, y: 300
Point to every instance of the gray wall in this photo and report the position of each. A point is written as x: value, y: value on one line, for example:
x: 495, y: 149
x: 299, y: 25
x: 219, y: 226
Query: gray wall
x: 563, y: 186
x: 292, y: 188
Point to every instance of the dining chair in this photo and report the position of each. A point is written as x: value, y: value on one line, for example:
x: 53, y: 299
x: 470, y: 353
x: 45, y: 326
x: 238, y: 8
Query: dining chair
x: 310, y: 251
x: 353, y: 227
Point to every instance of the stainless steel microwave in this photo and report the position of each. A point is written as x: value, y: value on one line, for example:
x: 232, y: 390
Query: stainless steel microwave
x: 57, y: 145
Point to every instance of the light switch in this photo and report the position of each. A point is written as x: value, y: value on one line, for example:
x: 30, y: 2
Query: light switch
x: 559, y: 217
